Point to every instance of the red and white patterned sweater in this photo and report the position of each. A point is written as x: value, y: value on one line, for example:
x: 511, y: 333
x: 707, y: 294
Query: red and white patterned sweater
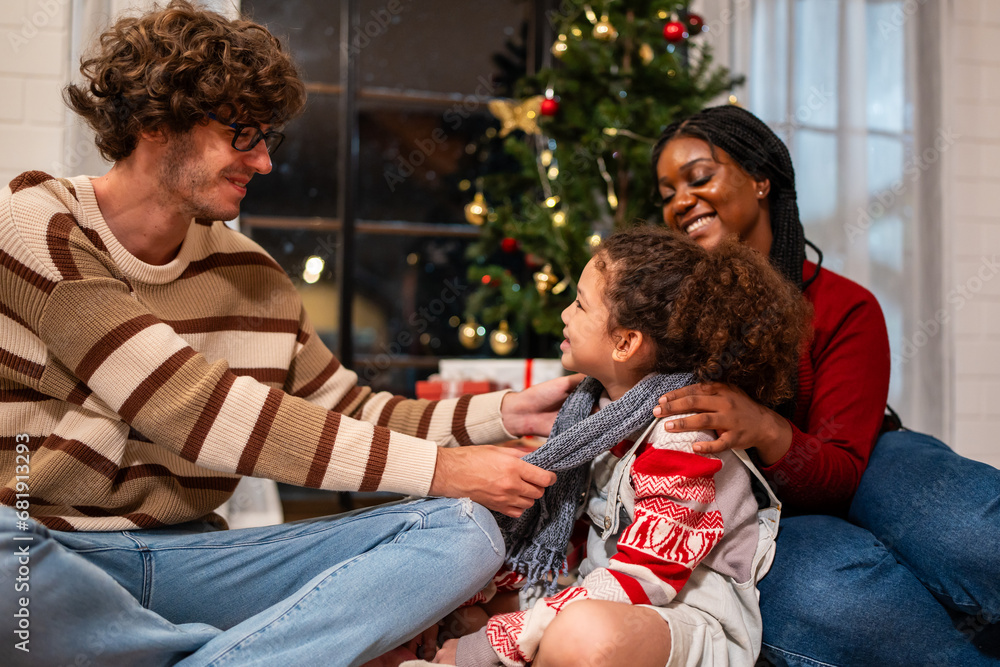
x: 678, y: 522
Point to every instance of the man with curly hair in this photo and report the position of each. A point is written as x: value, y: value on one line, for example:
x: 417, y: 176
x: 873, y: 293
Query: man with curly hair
x: 150, y: 357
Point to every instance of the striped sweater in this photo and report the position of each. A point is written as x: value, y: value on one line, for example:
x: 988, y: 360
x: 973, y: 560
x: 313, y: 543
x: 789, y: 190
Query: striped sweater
x: 144, y: 392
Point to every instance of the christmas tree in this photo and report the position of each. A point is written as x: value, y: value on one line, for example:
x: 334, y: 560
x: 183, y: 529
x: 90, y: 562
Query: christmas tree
x: 575, y: 146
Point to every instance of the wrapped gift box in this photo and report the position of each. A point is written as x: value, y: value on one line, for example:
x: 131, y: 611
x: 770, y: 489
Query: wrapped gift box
x: 435, y: 390
x: 513, y: 374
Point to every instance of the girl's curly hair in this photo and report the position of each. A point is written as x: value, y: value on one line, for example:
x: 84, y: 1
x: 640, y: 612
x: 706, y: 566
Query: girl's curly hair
x: 169, y: 68
x: 725, y: 315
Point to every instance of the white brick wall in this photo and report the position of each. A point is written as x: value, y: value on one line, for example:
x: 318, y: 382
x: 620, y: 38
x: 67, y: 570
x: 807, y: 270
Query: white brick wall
x: 34, y: 65
x: 971, y: 229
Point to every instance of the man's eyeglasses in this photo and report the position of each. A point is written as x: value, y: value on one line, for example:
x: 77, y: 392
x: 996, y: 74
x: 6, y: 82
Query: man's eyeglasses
x: 248, y: 136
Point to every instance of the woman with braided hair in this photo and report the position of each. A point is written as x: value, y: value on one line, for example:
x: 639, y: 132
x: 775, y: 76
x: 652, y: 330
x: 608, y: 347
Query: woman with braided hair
x: 891, y: 555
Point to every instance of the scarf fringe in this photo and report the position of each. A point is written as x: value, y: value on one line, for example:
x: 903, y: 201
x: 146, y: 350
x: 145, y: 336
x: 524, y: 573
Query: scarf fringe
x: 540, y: 565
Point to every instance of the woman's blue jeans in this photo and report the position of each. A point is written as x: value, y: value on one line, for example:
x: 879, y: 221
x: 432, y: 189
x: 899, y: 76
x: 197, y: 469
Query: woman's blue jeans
x: 913, y: 578
x: 331, y: 591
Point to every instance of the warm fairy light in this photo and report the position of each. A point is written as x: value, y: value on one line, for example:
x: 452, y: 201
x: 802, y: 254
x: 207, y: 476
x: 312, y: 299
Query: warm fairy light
x: 553, y: 173
x: 561, y: 286
x: 559, y: 219
x: 552, y: 201
x: 594, y: 240
x: 315, y: 264
x: 313, y: 269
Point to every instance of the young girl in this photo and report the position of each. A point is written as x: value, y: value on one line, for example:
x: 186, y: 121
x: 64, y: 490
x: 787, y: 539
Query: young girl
x: 675, y: 535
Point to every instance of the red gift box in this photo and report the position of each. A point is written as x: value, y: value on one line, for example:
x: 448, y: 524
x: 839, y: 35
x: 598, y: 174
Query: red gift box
x: 435, y: 390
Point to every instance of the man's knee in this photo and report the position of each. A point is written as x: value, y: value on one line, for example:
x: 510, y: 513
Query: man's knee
x: 478, y: 534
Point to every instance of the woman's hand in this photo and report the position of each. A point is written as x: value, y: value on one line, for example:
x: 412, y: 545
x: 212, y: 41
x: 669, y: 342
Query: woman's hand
x: 739, y: 421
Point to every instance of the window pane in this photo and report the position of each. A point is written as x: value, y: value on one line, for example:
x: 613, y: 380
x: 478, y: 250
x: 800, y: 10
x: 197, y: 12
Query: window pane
x: 885, y: 166
x: 814, y: 155
x: 435, y: 45
x: 884, y: 62
x: 815, y: 64
x: 412, y: 162
x: 409, y: 289
x: 310, y: 29
x: 303, y: 180
x: 769, y: 61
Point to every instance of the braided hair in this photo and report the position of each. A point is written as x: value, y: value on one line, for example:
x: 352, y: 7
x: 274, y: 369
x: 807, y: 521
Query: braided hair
x: 760, y: 153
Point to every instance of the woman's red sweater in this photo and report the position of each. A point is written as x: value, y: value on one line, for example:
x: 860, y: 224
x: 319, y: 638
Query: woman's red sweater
x: 843, y: 387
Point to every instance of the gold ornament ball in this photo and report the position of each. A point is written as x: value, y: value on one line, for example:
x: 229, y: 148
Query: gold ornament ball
x: 470, y: 335
x: 503, y: 341
x: 475, y: 210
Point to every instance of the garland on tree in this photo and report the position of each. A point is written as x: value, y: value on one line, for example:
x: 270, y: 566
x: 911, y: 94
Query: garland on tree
x: 580, y: 135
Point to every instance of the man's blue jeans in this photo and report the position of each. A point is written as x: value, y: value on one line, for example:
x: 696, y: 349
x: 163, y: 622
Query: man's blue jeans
x: 331, y: 591
x: 913, y: 578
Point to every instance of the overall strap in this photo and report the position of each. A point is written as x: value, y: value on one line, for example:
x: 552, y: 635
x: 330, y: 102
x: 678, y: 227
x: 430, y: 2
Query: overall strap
x: 743, y: 456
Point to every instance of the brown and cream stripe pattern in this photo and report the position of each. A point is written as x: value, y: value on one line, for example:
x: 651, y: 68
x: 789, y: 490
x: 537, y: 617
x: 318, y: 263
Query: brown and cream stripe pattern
x: 147, y: 391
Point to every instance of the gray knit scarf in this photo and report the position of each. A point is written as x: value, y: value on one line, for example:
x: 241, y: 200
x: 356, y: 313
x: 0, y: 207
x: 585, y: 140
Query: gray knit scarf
x: 537, y: 540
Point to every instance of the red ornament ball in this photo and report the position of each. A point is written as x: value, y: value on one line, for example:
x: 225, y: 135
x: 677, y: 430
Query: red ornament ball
x: 550, y: 107
x: 509, y: 244
x: 695, y: 22
x: 674, y: 32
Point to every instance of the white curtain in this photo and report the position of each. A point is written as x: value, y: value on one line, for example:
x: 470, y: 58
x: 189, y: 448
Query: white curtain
x: 851, y: 86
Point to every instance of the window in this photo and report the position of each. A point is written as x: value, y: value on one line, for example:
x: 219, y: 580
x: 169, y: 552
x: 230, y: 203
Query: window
x: 370, y: 177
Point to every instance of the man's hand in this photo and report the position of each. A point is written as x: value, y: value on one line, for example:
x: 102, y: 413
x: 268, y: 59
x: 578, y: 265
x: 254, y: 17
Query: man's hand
x: 532, y: 411
x: 492, y: 476
x: 739, y: 421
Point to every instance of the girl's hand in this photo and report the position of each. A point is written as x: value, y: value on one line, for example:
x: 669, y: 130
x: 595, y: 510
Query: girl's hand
x: 424, y: 645
x: 739, y: 421
x: 446, y: 654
